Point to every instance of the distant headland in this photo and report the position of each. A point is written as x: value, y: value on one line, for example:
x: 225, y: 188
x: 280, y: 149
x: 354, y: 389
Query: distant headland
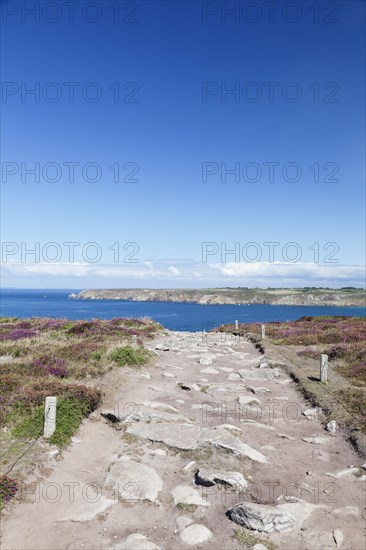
x: 308, y: 296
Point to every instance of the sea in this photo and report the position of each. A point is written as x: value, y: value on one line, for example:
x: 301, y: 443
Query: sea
x: 172, y: 315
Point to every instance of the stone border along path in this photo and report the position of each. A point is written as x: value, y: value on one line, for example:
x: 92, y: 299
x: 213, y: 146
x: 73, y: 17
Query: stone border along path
x: 212, y: 436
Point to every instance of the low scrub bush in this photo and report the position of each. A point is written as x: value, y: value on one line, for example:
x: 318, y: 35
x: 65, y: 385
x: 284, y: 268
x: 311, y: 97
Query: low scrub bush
x: 8, y: 488
x: 130, y: 356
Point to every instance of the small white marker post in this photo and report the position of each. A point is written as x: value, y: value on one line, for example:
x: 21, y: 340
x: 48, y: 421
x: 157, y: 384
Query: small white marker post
x: 324, y: 368
x: 134, y: 341
x: 236, y: 326
x: 50, y: 416
x: 263, y: 331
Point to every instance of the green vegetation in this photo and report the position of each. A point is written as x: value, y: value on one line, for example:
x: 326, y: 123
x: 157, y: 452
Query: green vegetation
x: 248, y: 539
x: 42, y: 357
x: 129, y: 356
x: 28, y: 422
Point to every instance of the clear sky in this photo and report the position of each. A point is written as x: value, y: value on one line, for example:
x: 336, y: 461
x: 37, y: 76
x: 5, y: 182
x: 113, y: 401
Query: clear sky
x: 223, y: 122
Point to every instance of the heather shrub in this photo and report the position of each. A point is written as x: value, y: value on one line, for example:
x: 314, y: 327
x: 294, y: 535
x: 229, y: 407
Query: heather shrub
x: 53, y: 366
x: 8, y: 488
x: 9, y: 382
x: 18, y: 334
x: 79, y: 351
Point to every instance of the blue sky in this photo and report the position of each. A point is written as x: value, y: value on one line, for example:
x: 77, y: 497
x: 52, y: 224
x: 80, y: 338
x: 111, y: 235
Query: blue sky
x: 173, y: 126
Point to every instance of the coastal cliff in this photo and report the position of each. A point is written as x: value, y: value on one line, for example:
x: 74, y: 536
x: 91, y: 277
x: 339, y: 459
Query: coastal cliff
x: 308, y: 297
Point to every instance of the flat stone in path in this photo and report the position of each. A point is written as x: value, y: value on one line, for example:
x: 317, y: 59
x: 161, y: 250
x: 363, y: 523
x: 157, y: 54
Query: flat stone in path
x: 210, y: 370
x: 247, y: 400
x: 185, y: 494
x: 259, y: 374
x: 150, y: 413
x: 86, y: 510
x: 189, y: 437
x: 285, y: 436
x: 234, y: 376
x: 255, y: 424
x: 209, y: 477
x: 260, y: 389
x: 136, y: 541
x: 342, y: 473
x: 188, y: 386
x: 226, y: 388
x: 181, y: 436
x: 218, y: 437
x: 316, y: 440
x: 206, y: 361
x: 195, y: 534
x: 162, y: 347
x: 134, y: 480
x: 164, y: 366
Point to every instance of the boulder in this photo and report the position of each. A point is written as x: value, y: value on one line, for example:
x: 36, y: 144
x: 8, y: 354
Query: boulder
x: 313, y: 413
x: 206, y: 361
x: 331, y: 426
x: 247, y: 400
x: 338, y: 537
x: 261, y: 517
x: 260, y: 389
x: 208, y: 477
x: 188, y: 386
x: 185, y: 494
x: 195, y: 534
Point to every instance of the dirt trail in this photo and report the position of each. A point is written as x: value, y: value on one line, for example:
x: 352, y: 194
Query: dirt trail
x: 136, y: 487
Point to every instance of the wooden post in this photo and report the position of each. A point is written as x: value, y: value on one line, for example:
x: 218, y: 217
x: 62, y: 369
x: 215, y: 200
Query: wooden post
x: 50, y: 416
x: 324, y: 368
x: 263, y: 331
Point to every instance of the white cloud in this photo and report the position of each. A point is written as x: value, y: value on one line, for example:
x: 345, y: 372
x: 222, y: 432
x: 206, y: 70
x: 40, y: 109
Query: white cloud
x: 165, y: 274
x: 174, y: 271
x: 269, y: 270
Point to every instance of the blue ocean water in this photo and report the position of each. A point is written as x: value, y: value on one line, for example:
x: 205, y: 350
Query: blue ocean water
x: 175, y: 316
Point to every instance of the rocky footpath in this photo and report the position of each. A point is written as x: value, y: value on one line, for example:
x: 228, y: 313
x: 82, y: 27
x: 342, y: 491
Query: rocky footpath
x: 210, y: 438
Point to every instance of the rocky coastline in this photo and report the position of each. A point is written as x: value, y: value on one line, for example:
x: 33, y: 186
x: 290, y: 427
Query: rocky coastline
x: 232, y: 296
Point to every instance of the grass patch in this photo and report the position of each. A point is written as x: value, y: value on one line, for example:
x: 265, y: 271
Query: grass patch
x: 248, y: 540
x: 186, y: 508
x: 130, y: 356
x: 28, y: 422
